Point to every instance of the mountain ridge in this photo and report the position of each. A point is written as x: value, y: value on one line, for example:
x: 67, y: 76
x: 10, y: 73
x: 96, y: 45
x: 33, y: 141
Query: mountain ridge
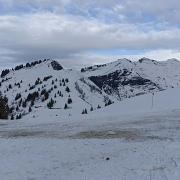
x: 46, y: 84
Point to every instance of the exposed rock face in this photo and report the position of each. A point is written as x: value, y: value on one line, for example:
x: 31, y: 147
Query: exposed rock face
x: 56, y: 66
x: 123, y: 82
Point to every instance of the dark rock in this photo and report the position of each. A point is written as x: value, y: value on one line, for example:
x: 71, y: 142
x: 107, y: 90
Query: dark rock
x: 56, y: 66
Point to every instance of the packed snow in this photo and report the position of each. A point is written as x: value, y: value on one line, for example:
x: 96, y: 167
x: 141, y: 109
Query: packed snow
x: 142, y: 143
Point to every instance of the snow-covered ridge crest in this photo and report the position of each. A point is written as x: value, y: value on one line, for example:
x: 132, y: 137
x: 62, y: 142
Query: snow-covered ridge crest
x: 51, y: 63
x: 46, y: 85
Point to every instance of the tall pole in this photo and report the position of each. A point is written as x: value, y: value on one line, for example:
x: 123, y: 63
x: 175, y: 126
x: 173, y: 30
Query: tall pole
x: 152, y: 103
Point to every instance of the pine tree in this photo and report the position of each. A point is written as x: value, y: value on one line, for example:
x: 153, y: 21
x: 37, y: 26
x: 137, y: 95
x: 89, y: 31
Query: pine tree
x: 12, y: 117
x: 65, y: 106
x: 32, y: 103
x: 24, y: 104
x: 46, y: 95
x: 60, y: 94
x: 67, y: 89
x: 30, y: 109
x: 17, y: 108
x: 20, y: 102
x: 4, y: 108
x: 69, y: 101
x: 85, y: 111
x: 20, y: 116
x: 91, y: 108
x: 11, y: 110
x: 10, y: 86
x: 50, y: 104
x: 67, y: 80
x: 18, y: 96
x: 108, y: 103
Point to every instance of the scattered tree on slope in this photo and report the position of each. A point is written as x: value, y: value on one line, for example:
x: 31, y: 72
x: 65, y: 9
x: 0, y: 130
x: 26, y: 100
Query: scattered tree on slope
x: 4, y: 108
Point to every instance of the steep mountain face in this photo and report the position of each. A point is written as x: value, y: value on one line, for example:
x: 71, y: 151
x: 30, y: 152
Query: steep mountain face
x: 124, y: 84
x: 46, y: 85
x: 124, y: 78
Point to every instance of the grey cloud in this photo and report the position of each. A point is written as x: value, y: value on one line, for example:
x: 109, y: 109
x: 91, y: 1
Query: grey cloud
x: 130, y: 10
x: 58, y: 36
x: 55, y: 34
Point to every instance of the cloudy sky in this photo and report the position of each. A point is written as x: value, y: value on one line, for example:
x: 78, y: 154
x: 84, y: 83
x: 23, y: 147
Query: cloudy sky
x: 82, y: 32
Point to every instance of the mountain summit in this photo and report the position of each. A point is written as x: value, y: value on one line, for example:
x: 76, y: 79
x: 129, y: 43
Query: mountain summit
x: 46, y: 85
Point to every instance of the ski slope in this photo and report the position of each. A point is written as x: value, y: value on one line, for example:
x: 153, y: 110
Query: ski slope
x: 111, y: 143
x: 159, y: 101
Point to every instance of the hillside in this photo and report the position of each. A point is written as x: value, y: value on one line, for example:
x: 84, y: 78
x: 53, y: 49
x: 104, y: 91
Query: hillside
x: 136, y: 138
x: 46, y: 85
x: 127, y: 139
x: 125, y: 78
x: 148, y: 103
x: 34, y: 87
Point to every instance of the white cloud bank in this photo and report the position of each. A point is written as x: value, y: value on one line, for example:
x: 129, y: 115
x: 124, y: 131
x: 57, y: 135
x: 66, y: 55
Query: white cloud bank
x: 47, y: 30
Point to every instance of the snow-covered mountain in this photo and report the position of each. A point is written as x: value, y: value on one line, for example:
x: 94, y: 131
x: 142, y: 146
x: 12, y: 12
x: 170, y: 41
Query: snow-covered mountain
x: 125, y: 78
x: 46, y: 85
x: 33, y: 86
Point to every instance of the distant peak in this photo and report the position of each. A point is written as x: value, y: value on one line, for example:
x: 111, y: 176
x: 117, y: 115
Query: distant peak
x: 173, y: 60
x: 124, y: 59
x: 144, y: 59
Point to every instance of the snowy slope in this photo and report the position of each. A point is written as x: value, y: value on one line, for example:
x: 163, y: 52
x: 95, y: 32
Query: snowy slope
x: 165, y: 73
x: 91, y: 88
x: 159, y: 101
x: 109, y: 145
x: 83, y: 92
x: 125, y: 78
